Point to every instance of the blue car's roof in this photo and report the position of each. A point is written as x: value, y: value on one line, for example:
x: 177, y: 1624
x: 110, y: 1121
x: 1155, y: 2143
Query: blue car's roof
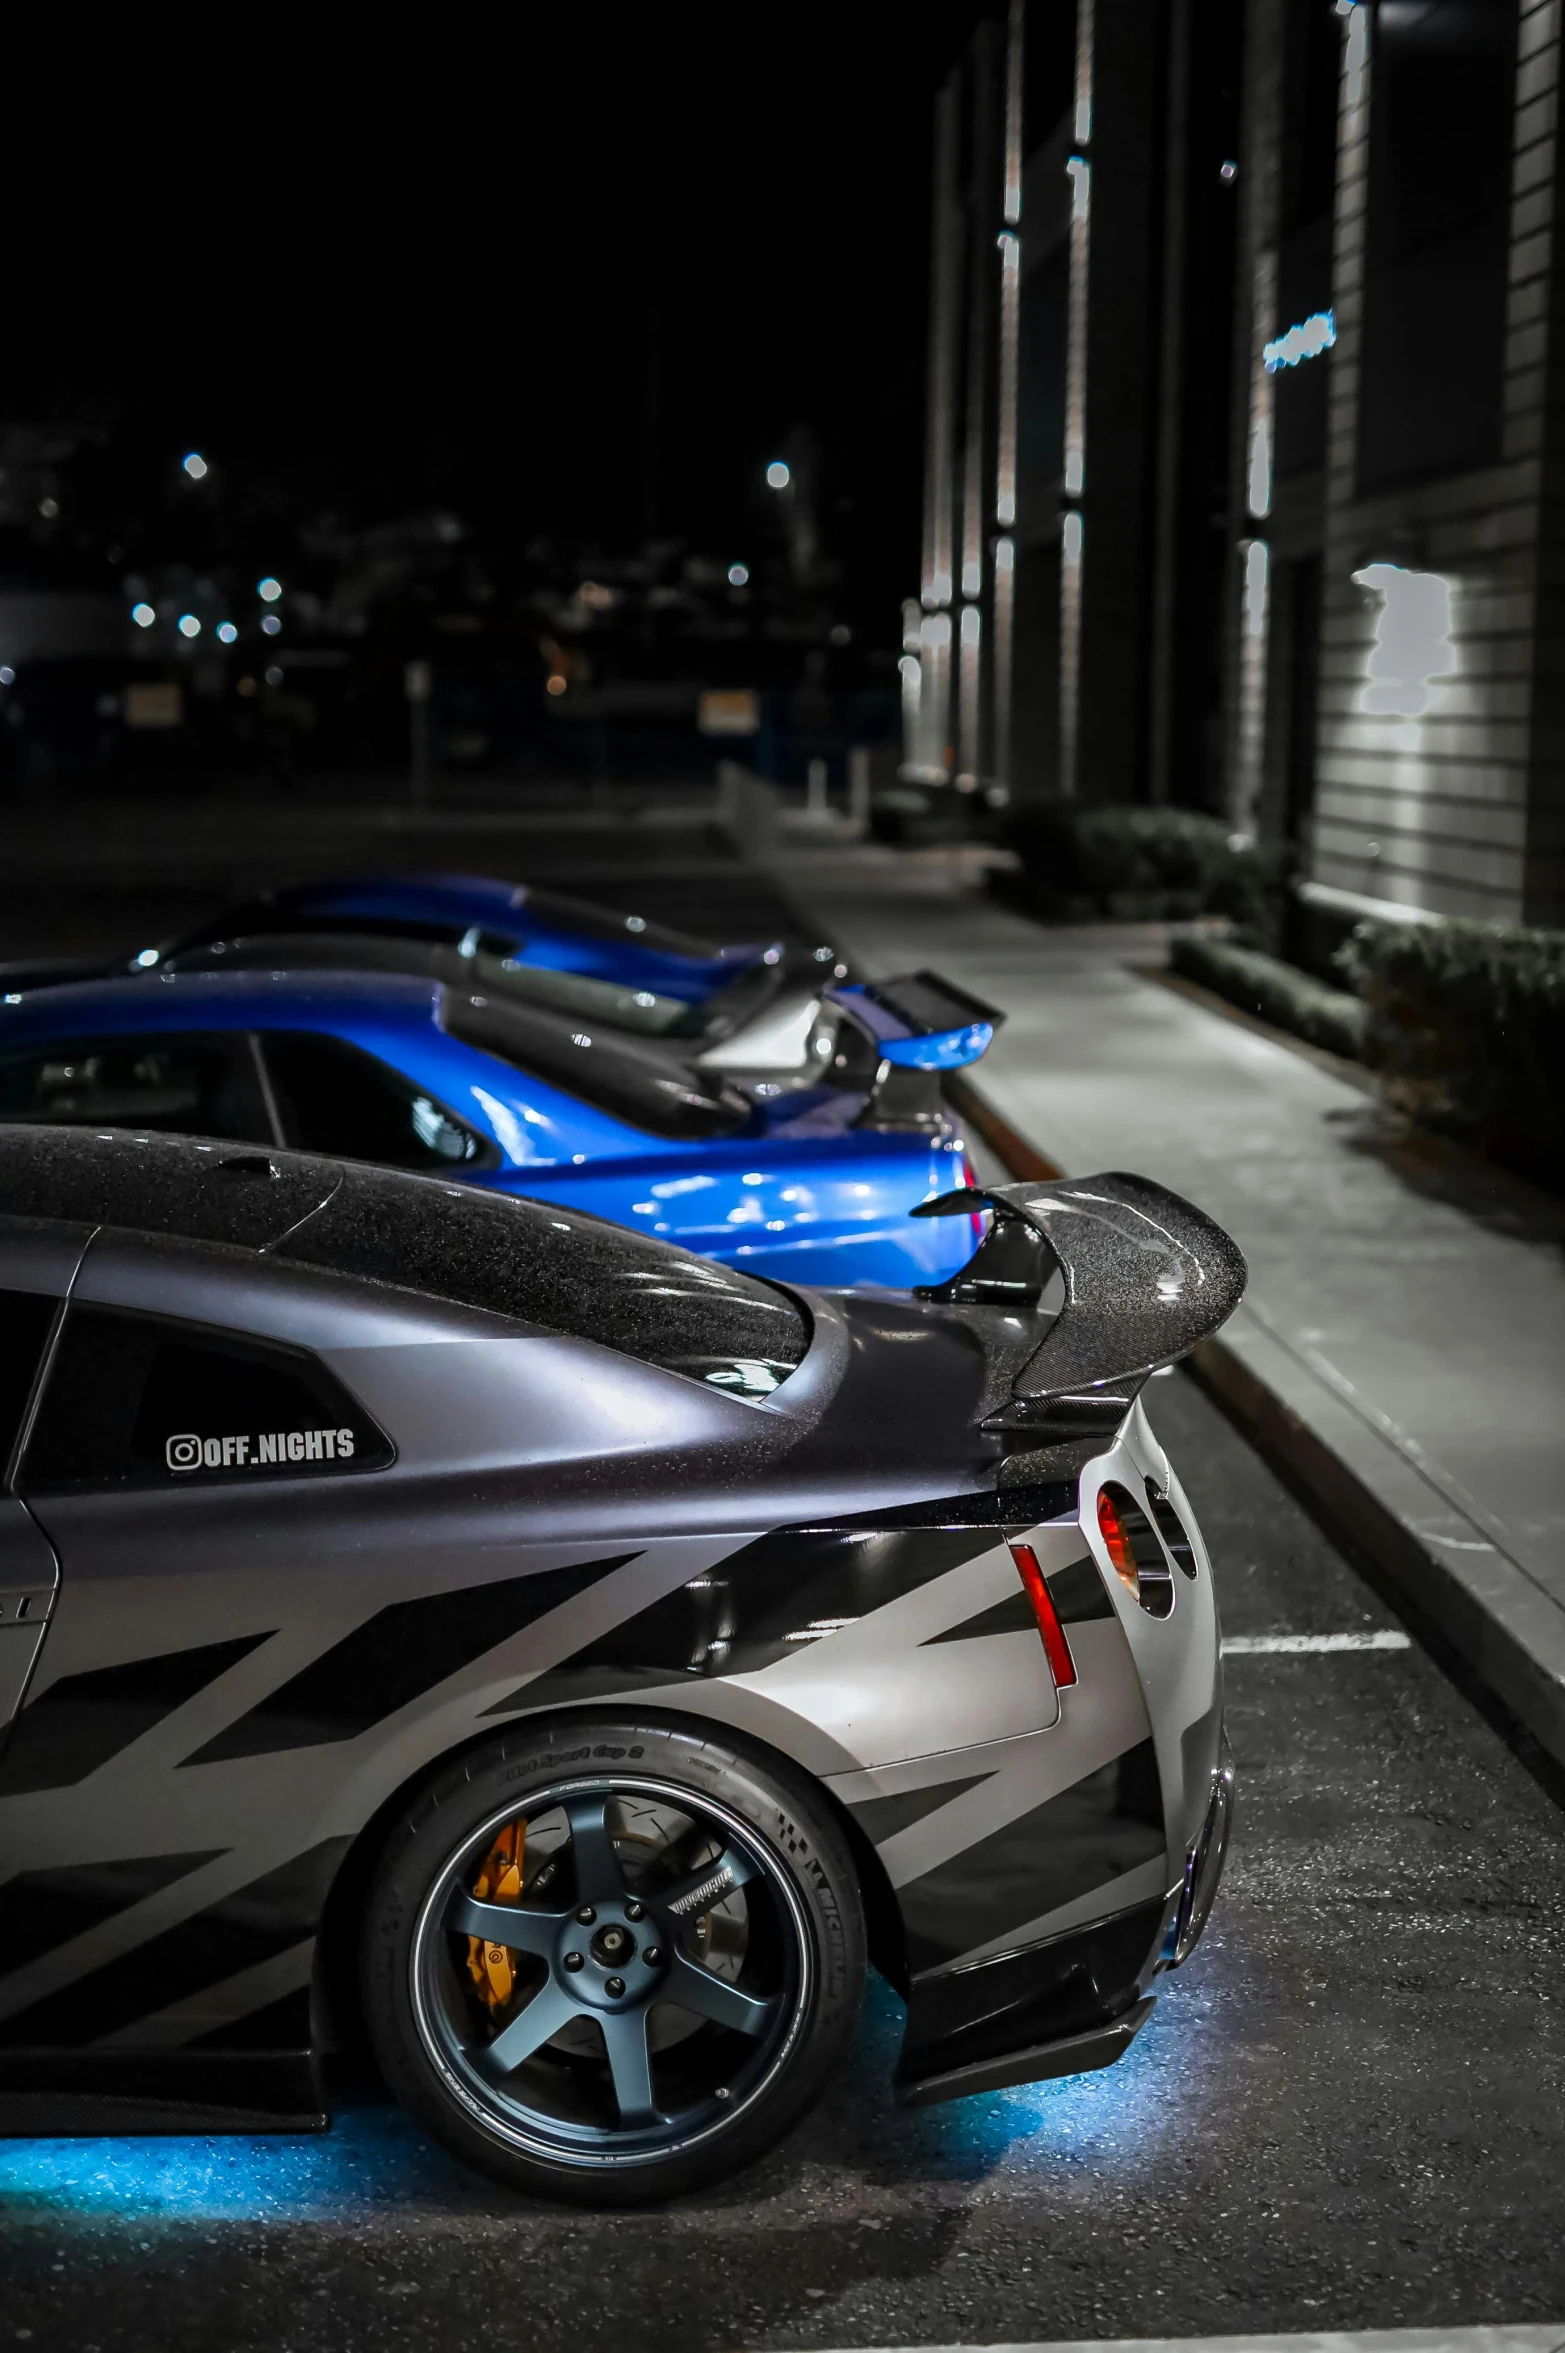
x: 225, y: 1000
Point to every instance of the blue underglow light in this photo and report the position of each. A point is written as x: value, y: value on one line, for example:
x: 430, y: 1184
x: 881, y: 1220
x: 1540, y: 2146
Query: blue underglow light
x: 1307, y: 340
x: 373, y: 2157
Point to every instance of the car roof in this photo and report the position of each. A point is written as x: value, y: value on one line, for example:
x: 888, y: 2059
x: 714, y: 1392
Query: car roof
x: 181, y: 1000
x: 529, y: 1260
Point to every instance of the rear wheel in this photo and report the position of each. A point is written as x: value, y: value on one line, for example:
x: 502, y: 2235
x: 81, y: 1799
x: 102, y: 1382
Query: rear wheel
x: 611, y: 1960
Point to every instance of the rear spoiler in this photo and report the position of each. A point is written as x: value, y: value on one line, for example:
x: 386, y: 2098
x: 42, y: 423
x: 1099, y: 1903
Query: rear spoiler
x: 1147, y: 1275
x: 918, y: 1026
x: 921, y: 1021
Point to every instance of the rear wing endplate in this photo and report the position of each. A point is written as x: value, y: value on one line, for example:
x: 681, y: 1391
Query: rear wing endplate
x: 1147, y: 1276
x: 921, y: 1021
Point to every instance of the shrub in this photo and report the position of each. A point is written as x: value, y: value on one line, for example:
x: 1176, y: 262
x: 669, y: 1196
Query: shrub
x: 1278, y: 993
x: 1136, y: 865
x: 1467, y: 1027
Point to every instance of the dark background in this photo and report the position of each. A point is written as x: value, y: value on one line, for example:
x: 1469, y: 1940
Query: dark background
x: 574, y: 278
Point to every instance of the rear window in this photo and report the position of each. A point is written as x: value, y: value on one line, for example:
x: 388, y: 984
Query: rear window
x: 646, y: 1089
x: 567, y: 1272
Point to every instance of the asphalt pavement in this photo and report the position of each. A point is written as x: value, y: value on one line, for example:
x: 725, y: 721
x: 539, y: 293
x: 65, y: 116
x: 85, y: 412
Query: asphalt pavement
x: 1347, y: 2111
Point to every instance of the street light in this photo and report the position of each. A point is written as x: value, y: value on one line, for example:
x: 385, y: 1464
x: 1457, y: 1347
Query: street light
x: 738, y: 574
x: 143, y: 616
x: 189, y: 626
x: 268, y: 590
x: 195, y: 465
x: 227, y: 633
x: 778, y: 475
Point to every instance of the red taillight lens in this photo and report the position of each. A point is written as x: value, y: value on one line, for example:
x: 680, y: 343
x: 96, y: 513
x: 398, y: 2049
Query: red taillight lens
x: 1056, y: 1649
x: 1117, y: 1537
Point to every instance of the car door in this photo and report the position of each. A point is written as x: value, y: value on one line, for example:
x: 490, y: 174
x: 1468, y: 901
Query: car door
x: 35, y: 1273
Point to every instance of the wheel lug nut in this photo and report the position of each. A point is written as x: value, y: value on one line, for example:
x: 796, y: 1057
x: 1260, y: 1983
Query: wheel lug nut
x: 573, y: 1960
x: 615, y: 1987
x: 653, y: 1956
x: 586, y: 1915
x: 634, y: 1911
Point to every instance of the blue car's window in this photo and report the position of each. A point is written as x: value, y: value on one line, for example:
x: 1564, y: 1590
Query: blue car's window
x: 183, y: 1085
x: 560, y: 1269
x: 634, y: 1082
x: 332, y: 1097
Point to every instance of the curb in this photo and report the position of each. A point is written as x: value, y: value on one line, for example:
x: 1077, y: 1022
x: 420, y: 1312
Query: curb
x: 1483, y: 1638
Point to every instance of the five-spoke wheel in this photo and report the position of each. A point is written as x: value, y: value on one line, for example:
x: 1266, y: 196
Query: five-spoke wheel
x: 618, y: 1974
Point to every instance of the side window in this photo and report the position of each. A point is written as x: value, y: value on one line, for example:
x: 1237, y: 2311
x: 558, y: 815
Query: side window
x: 331, y: 1097
x: 140, y: 1399
x: 25, y: 1320
x: 197, y: 1086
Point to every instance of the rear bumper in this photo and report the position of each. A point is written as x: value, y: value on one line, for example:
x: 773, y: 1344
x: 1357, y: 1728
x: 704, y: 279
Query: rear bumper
x: 1062, y: 2007
x: 1204, y: 1862
x: 1070, y: 2004
x: 1128, y: 1850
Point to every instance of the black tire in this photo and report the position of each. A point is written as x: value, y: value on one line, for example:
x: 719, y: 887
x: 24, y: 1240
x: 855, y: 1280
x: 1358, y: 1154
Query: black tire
x: 765, y: 1937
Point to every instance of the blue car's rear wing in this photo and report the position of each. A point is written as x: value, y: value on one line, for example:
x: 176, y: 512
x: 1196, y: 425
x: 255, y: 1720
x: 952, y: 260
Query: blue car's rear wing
x: 921, y: 1021
x: 1146, y: 1277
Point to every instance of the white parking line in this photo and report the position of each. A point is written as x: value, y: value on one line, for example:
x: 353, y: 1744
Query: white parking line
x: 1253, y: 1645
x: 1544, y: 2337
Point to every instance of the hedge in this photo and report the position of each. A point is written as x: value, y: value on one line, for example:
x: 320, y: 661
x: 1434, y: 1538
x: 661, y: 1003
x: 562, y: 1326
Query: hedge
x: 1467, y: 1028
x: 1277, y: 992
x: 1134, y: 865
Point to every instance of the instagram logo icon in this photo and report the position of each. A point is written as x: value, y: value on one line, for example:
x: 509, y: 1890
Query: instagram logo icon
x: 183, y: 1453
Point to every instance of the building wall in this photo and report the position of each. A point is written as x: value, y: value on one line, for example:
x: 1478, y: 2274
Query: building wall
x: 1446, y: 810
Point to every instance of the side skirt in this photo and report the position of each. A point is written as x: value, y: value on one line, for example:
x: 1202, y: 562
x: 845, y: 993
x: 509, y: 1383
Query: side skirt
x: 49, y: 2094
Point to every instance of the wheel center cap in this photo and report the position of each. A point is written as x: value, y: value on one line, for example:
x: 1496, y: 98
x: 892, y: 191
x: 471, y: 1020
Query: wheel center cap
x: 613, y: 1946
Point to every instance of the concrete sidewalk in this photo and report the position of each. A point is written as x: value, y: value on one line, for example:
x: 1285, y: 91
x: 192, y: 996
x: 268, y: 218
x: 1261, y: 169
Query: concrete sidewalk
x: 1402, y: 1343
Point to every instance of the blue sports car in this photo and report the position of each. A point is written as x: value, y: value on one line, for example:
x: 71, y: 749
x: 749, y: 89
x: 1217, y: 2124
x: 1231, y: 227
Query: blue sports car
x: 809, y: 1179
x: 749, y: 1008
x: 544, y: 930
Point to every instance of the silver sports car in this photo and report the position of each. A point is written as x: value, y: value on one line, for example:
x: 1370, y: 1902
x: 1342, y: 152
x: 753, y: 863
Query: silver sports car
x: 568, y: 1662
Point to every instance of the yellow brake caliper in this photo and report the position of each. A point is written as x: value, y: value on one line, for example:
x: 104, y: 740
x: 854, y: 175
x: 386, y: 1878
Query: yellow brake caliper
x: 492, y: 1967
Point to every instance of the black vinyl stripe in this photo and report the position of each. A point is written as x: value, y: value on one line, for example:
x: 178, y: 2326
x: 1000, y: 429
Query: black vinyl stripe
x: 881, y: 1818
x: 747, y: 1612
x: 1078, y: 1840
x: 42, y: 1909
x: 250, y: 1925
x: 1011, y: 1615
x: 78, y: 1723
x: 1078, y: 1592
x: 395, y: 1656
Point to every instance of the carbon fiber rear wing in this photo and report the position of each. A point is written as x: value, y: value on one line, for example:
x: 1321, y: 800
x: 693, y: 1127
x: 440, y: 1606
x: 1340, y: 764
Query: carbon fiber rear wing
x: 1146, y: 1274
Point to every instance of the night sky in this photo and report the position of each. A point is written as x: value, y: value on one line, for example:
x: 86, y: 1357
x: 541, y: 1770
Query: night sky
x: 568, y: 277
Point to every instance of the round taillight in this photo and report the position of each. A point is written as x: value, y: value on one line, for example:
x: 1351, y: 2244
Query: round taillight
x: 1132, y: 1544
x: 1117, y: 1538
